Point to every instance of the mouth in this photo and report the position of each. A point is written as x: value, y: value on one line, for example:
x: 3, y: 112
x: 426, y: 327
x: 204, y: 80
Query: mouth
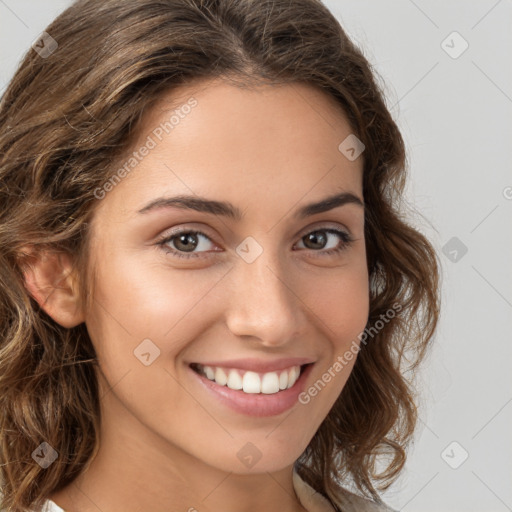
x: 251, y: 382
x: 251, y: 393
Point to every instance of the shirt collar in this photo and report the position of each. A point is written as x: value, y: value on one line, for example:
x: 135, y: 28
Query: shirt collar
x: 310, y: 499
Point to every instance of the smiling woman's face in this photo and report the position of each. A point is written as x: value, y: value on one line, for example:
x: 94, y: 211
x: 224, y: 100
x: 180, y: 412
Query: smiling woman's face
x: 260, y: 289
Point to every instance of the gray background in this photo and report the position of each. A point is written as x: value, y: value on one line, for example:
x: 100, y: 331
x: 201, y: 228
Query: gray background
x: 455, y: 115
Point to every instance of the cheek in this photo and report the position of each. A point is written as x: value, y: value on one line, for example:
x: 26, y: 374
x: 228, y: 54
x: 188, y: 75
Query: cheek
x: 141, y: 299
x: 146, y: 313
x: 340, y: 301
x: 340, y: 305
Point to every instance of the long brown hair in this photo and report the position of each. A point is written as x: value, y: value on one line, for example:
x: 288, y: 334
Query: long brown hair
x: 67, y: 116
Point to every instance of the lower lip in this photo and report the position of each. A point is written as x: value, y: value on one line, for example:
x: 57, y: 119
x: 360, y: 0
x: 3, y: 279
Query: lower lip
x: 256, y: 404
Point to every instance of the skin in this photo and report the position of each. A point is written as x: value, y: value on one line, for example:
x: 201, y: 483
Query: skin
x: 164, y: 444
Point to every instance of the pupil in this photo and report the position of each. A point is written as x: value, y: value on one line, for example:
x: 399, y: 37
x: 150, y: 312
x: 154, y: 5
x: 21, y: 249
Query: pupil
x: 182, y: 239
x: 315, y: 238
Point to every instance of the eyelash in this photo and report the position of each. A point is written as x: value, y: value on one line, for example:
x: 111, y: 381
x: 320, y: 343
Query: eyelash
x: 345, y: 237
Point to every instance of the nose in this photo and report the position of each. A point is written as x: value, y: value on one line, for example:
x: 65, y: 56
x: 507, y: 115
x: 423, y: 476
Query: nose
x: 263, y: 304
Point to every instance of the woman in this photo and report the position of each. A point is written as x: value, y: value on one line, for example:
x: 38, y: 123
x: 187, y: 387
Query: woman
x: 208, y: 290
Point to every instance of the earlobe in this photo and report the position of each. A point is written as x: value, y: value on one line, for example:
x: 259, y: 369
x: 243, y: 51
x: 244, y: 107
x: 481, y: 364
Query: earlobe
x: 50, y: 281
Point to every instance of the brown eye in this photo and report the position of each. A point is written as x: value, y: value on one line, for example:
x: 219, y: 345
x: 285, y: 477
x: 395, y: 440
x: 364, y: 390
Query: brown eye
x: 183, y: 242
x: 319, y: 241
x: 186, y: 242
x: 315, y: 240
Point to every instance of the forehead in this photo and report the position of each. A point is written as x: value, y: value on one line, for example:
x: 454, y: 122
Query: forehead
x: 258, y: 144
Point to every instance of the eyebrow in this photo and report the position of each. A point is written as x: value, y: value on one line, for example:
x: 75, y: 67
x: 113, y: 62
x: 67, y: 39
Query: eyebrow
x: 226, y: 209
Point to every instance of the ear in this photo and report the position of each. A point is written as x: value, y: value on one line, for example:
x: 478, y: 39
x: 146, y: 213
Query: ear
x: 49, y: 279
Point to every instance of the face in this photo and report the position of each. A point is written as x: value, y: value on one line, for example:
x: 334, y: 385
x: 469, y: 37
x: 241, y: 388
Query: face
x: 241, y: 281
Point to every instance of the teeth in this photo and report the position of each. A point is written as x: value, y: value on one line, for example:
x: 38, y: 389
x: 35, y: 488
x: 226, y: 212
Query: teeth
x: 283, y: 380
x: 221, y: 377
x: 293, y: 376
x: 270, y: 383
x: 234, y: 380
x: 252, y: 382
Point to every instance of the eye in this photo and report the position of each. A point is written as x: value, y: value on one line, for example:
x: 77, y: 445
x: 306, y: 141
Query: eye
x: 321, y: 237
x: 185, y: 242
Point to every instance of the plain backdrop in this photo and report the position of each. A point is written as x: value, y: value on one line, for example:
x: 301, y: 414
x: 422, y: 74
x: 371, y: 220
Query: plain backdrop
x: 448, y: 84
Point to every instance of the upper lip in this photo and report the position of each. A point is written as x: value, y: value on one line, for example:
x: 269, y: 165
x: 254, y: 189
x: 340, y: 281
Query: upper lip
x: 259, y: 365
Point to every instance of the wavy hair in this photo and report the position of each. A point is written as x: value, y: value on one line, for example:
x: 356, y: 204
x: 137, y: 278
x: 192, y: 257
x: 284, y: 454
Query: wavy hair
x: 65, y: 119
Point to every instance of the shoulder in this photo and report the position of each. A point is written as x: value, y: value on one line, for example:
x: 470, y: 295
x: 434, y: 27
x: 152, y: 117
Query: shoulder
x: 346, y: 500
x: 50, y: 506
x: 350, y: 502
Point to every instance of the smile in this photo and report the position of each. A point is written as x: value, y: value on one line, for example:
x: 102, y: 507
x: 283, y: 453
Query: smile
x: 249, y: 392
x: 249, y: 381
